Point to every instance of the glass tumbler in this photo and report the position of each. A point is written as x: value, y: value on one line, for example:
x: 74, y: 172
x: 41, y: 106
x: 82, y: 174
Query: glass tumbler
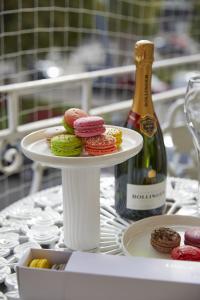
x: 192, y: 112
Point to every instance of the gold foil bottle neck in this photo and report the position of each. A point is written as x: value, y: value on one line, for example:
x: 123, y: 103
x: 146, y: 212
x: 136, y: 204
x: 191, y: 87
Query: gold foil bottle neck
x: 144, y: 51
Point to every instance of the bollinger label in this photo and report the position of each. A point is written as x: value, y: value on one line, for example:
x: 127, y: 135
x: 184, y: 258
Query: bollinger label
x: 144, y: 197
x: 148, y: 125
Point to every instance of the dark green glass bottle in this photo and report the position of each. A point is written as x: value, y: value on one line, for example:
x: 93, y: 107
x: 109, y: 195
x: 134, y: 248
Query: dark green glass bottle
x: 140, y: 182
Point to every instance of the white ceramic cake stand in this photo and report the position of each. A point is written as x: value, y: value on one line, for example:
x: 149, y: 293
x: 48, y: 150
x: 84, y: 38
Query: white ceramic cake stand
x: 81, y: 184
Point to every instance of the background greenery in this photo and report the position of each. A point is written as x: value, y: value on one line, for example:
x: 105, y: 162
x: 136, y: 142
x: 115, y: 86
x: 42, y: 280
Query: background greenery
x: 29, y: 29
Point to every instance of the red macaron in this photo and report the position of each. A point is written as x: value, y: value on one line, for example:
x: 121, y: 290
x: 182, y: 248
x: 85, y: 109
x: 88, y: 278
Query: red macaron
x: 89, y: 126
x: 100, y: 145
x: 192, y: 237
x: 186, y: 253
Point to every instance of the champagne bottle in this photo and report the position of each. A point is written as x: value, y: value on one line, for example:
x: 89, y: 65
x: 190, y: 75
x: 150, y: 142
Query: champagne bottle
x: 140, y: 182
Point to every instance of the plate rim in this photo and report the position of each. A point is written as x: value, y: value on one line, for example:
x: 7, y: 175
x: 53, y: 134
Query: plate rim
x: 149, y: 219
x: 69, y: 161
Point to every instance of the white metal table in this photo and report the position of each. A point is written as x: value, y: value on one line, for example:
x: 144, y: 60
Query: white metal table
x: 37, y: 221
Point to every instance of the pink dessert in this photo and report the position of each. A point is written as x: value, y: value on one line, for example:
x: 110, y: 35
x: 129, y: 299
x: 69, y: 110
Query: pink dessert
x: 72, y: 114
x: 186, y: 253
x: 192, y: 237
x: 89, y: 126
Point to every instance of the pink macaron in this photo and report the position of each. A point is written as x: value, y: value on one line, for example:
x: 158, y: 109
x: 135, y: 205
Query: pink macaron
x: 192, y: 237
x: 89, y: 126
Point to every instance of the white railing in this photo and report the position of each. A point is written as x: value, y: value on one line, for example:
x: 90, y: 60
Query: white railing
x: 85, y: 80
x: 14, y: 91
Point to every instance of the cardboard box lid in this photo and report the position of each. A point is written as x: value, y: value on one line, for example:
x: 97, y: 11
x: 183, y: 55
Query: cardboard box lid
x: 135, y: 267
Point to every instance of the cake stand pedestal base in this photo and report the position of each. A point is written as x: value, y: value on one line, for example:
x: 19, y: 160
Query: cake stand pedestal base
x: 81, y: 207
x: 81, y: 184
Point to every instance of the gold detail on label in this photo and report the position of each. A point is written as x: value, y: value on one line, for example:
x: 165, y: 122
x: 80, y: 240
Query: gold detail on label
x: 148, y: 125
x: 152, y: 173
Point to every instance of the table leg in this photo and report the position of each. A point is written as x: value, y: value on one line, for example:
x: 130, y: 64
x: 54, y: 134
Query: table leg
x: 81, y: 207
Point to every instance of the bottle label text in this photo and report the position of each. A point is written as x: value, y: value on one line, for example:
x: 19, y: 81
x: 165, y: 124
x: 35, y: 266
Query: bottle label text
x: 144, y: 197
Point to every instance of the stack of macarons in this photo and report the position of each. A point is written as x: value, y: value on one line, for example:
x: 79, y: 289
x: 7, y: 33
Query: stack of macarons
x: 43, y: 263
x: 82, y: 134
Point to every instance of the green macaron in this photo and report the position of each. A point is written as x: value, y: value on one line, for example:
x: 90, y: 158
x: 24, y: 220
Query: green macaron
x: 66, y: 145
x: 67, y: 127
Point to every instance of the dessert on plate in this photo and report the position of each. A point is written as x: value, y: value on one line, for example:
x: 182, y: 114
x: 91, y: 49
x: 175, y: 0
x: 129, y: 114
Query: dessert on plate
x: 164, y: 239
x: 66, y: 145
x: 101, y: 144
x: 192, y: 237
x: 186, y: 252
x: 82, y: 134
x: 70, y: 116
x: 89, y: 126
x: 116, y: 133
x: 41, y: 263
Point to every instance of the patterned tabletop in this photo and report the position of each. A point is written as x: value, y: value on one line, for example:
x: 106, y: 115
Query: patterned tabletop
x: 37, y: 221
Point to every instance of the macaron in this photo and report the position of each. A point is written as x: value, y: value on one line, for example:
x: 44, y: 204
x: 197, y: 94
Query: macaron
x: 70, y: 116
x: 33, y: 263
x: 58, y: 267
x: 66, y: 145
x: 89, y: 126
x: 186, y: 252
x: 100, y: 145
x: 116, y: 133
x: 67, y: 127
x: 164, y: 239
x: 192, y: 237
x: 49, y: 133
x: 42, y: 263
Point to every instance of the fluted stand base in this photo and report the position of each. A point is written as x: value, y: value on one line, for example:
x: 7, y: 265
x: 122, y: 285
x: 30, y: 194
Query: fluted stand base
x: 81, y: 207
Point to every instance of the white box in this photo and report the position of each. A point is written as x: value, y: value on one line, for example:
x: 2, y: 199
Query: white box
x: 90, y: 276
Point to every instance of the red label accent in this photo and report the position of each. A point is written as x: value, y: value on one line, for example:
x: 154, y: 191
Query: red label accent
x: 145, y: 124
x: 133, y: 120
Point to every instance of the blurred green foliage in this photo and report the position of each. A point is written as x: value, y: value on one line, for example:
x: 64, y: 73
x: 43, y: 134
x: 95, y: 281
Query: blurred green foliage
x: 44, y: 24
x: 138, y: 18
x: 195, y: 22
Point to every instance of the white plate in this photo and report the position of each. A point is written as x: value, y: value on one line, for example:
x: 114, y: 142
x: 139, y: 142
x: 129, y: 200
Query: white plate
x: 136, y: 238
x: 35, y: 147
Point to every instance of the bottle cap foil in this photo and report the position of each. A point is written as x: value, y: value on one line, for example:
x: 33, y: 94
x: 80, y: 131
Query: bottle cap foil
x: 144, y: 51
